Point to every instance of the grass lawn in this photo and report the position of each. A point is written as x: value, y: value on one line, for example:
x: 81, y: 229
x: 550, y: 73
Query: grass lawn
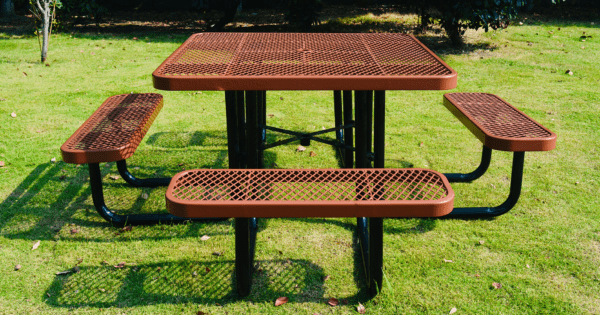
x: 545, y: 252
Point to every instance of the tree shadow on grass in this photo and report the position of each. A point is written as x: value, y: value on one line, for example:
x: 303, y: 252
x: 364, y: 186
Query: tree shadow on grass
x: 180, y: 282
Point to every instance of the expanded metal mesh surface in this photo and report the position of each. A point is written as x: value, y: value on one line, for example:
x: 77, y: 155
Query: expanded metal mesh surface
x: 309, y: 185
x: 496, y: 116
x: 118, y: 125
x: 299, y: 54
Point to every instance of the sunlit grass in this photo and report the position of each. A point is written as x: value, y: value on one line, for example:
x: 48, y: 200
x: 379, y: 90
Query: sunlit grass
x: 545, y: 252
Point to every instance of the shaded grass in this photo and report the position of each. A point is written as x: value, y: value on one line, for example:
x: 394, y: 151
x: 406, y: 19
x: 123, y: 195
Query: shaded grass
x: 545, y: 252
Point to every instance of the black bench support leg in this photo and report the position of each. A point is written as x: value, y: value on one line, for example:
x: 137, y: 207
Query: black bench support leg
x: 516, y: 182
x: 486, y: 157
x: 375, y: 255
x: 245, y: 240
x: 140, y: 182
x: 241, y: 125
x: 131, y: 219
x: 233, y: 147
x: 338, y: 116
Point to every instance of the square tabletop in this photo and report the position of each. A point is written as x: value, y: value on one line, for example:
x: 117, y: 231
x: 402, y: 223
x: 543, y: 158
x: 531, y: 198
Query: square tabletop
x: 303, y: 61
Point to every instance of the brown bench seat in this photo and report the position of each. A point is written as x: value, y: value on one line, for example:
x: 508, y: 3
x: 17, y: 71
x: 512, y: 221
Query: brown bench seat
x: 499, y: 125
x: 270, y: 193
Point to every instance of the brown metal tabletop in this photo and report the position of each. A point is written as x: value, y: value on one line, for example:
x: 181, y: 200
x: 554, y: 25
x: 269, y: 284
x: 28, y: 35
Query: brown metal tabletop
x: 303, y: 61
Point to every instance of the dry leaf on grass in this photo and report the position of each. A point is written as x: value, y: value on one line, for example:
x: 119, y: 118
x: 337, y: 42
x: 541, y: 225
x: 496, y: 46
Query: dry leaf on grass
x: 113, y: 177
x: 17, y: 267
x: 1, y: 163
x: 333, y: 302
x: 326, y: 277
x: 481, y: 242
x: 360, y: 309
x: 217, y: 253
x: 312, y: 153
x: 127, y: 228
x: 496, y: 285
x: 66, y: 272
x: 194, y: 274
x: 569, y: 72
x: 74, y: 231
x: 35, y: 245
x: 453, y: 310
x: 207, y: 269
x: 13, y: 115
x: 120, y: 265
x: 447, y: 261
x: 281, y: 300
x: 300, y: 149
x: 281, y: 98
x: 204, y: 238
x: 145, y: 196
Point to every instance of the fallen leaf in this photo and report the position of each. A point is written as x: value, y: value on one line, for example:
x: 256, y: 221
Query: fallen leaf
x: 24, y: 74
x: 207, y: 270
x: 181, y: 164
x: 194, y: 274
x: 569, y: 72
x: 64, y: 272
x: 113, y: 177
x: 333, y: 302
x: 17, y: 267
x: 204, y: 238
x: 35, y: 245
x: 520, y: 23
x: 201, y: 313
x: 53, y: 160
x: 120, y: 265
x: 102, y: 290
x: 421, y: 144
x: 477, y: 275
x: 327, y: 277
x: 281, y: 98
x: 496, y: 285
x: 135, y: 38
x: 270, y: 115
x: 528, y: 266
x: 481, y: 242
x: 300, y: 149
x: 217, y: 253
x: 2, y: 99
x: 447, y: 261
x: 453, y: 310
x: 79, y: 260
x: 47, y: 65
x: 48, y: 294
x: 360, y: 308
x: 530, y: 43
x: 127, y: 228
x: 104, y: 262
x: 145, y: 196
x: 281, y: 300
x: 13, y: 115
x: 312, y: 153
x: 74, y: 231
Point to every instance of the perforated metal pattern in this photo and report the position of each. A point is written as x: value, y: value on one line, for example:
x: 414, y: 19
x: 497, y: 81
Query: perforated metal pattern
x: 316, y: 188
x: 500, y: 121
x: 115, y: 129
x: 263, y: 56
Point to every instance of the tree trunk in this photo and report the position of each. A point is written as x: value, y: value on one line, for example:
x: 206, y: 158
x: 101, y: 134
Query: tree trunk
x: 46, y: 16
x: 7, y: 8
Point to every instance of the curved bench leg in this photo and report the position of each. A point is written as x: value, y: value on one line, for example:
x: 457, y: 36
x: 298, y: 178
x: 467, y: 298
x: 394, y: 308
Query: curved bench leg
x: 132, y: 219
x: 486, y: 156
x: 516, y: 182
x: 140, y: 182
x: 245, y: 241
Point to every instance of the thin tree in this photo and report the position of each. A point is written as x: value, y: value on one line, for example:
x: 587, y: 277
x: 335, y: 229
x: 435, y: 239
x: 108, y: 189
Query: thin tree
x: 44, y: 11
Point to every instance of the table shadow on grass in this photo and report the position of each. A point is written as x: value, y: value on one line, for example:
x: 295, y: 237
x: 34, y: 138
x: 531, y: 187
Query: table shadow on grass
x: 54, y: 202
x: 175, y: 283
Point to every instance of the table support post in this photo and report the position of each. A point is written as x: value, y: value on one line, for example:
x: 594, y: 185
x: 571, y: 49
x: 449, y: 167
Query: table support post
x: 261, y: 119
x: 348, y: 133
x: 379, y: 134
x: 245, y: 240
x: 232, y: 129
x: 369, y: 126
x: 376, y: 224
x: 241, y: 123
x: 337, y: 113
x: 251, y: 129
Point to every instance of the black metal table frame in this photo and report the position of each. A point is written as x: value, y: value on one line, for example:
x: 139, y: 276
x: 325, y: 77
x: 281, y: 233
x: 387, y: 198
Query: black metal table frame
x: 246, y: 134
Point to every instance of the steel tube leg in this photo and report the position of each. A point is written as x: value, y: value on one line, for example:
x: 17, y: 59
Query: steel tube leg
x: 516, y: 181
x: 337, y: 113
x: 348, y: 133
x: 369, y: 125
x: 140, y: 182
x: 486, y: 157
x: 232, y: 130
x: 379, y: 134
x: 251, y: 129
x: 261, y: 119
x: 375, y: 255
x: 244, y: 254
x: 241, y: 123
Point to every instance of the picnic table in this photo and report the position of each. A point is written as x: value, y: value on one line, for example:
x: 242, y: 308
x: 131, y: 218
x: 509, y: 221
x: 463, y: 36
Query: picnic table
x: 358, y: 68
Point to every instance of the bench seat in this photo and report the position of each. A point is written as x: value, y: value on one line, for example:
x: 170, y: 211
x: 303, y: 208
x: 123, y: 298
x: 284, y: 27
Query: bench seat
x: 114, y: 130
x: 281, y: 193
x: 499, y: 125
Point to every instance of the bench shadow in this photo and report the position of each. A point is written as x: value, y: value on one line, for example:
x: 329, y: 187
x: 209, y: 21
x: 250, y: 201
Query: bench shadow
x: 188, y: 139
x: 185, y: 281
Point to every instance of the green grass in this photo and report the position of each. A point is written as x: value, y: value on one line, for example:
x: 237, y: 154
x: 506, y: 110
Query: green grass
x: 545, y: 252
